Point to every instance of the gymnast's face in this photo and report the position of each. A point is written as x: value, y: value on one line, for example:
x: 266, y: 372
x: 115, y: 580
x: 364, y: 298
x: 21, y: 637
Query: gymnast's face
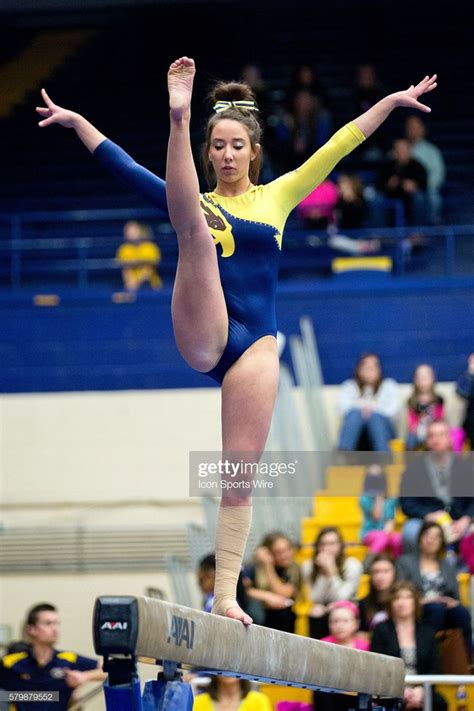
x: 230, y: 151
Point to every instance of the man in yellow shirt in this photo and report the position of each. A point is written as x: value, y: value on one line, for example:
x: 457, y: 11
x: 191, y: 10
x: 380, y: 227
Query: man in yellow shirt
x: 139, y: 256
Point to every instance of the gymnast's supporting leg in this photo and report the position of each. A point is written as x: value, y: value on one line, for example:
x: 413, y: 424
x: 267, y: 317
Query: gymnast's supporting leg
x: 199, y: 310
x: 248, y: 396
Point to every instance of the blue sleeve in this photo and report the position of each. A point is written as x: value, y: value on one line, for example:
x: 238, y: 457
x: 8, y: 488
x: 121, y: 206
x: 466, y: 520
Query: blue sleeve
x: 465, y: 386
x: 84, y: 663
x: 366, y: 502
x: 143, y: 181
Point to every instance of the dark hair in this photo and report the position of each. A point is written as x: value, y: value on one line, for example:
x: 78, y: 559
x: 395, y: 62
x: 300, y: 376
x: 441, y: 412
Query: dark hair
x: 375, y: 484
x: 207, y: 563
x: 413, y: 399
x: 233, y: 91
x: 317, y: 543
x: 357, y: 378
x: 213, y: 688
x: 426, y: 527
x: 398, y: 587
x: 372, y: 601
x: 270, y: 539
x: 33, y: 614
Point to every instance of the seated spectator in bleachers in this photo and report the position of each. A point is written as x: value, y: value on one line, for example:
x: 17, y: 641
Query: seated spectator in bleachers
x: 382, y: 575
x: 306, y: 77
x: 303, y: 130
x: 466, y: 550
x: 275, y: 580
x: 330, y: 577
x: 344, y: 622
x: 316, y: 210
x: 343, y: 630
x: 434, y: 577
x: 465, y: 388
x: 368, y: 403
x: 378, y: 526
x: 251, y: 74
x: 351, y: 207
x: 437, y: 486
x: 368, y: 90
x: 227, y: 693
x: 403, y: 178
x: 139, y: 257
x: 206, y: 576
x: 403, y: 635
x: 432, y: 160
x: 42, y: 667
x: 424, y: 406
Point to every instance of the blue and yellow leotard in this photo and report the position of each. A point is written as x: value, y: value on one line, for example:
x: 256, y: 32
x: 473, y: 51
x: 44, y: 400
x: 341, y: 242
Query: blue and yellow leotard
x: 247, y: 231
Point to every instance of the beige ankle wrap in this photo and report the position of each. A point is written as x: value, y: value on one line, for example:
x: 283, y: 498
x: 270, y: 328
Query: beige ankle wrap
x: 233, y: 526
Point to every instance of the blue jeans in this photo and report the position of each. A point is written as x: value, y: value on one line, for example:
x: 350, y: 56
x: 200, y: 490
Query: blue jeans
x: 441, y: 617
x: 379, y: 430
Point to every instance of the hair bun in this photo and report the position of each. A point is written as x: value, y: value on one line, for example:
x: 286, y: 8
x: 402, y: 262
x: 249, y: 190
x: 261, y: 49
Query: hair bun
x: 230, y: 91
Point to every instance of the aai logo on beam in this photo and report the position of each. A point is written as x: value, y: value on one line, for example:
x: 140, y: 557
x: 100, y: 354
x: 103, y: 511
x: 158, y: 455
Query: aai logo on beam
x: 181, y: 632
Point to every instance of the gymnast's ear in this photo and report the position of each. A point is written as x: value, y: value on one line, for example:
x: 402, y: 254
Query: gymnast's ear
x: 255, y: 151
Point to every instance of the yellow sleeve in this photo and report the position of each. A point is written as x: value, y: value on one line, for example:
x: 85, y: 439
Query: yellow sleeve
x: 202, y: 702
x: 125, y: 253
x: 292, y: 187
x: 150, y: 252
x: 256, y: 701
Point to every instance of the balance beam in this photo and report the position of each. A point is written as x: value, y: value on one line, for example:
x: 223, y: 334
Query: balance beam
x: 163, y: 631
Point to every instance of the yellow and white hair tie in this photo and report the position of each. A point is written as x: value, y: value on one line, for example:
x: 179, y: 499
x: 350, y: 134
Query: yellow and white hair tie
x: 224, y: 105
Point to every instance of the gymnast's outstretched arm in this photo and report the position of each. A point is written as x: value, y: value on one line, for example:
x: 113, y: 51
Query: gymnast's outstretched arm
x: 293, y: 187
x: 112, y: 157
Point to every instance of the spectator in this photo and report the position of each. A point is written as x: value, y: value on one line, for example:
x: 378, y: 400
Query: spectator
x: 373, y: 607
x: 351, y: 208
x: 343, y: 627
x: 424, y: 406
x: 404, y: 635
x: 435, y: 579
x: 206, y: 576
x: 316, y: 210
x: 138, y: 257
x: 231, y: 694
x: 368, y: 90
x: 343, y: 624
x: 404, y: 178
x: 466, y: 550
x: 431, y: 159
x: 305, y: 129
x: 378, y: 527
x: 42, y: 667
x: 368, y: 403
x: 330, y: 576
x: 275, y: 580
x: 306, y: 77
x: 437, y: 487
x: 251, y: 74
x: 465, y: 388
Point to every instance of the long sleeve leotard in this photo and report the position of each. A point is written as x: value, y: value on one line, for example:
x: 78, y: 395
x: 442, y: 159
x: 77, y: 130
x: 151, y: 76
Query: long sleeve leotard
x: 247, y: 231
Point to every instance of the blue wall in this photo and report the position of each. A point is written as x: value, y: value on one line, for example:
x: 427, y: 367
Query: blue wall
x: 88, y: 342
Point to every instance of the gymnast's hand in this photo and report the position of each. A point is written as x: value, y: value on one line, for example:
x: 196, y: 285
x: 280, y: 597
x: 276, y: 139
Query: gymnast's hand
x: 55, y: 114
x: 410, y: 97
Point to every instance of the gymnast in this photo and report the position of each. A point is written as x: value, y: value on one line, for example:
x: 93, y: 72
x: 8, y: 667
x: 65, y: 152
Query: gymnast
x: 229, y: 239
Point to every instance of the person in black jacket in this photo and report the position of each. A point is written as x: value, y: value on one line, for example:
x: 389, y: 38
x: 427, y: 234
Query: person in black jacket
x: 435, y: 579
x: 404, y: 635
x: 404, y: 178
x: 437, y: 486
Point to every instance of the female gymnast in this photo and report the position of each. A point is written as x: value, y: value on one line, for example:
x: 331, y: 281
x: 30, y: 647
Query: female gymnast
x: 223, y: 304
